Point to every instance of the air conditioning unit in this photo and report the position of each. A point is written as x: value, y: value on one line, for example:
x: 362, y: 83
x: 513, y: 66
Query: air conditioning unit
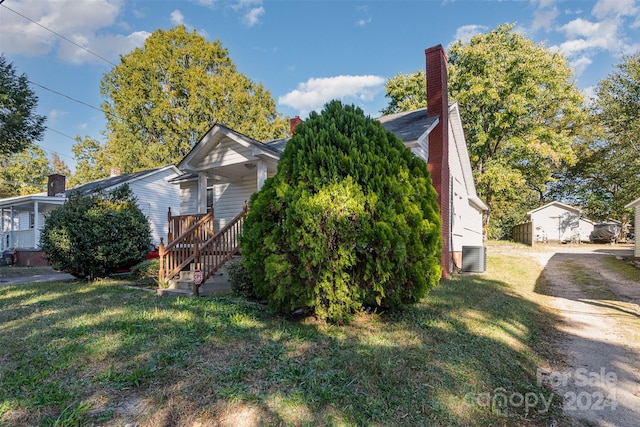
x: 474, y: 259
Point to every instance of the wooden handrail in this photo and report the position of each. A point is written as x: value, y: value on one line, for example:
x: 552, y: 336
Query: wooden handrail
x: 197, y: 245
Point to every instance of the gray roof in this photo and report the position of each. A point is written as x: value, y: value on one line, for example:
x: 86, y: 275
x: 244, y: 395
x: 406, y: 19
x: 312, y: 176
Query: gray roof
x: 278, y: 144
x: 110, y: 182
x: 408, y: 125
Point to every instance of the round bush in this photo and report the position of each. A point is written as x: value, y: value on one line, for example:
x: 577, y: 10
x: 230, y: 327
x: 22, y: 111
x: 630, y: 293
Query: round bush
x: 97, y: 234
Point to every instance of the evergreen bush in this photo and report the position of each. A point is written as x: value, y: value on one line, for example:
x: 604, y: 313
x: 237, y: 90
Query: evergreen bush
x: 97, y: 234
x: 350, y: 220
x: 240, y: 280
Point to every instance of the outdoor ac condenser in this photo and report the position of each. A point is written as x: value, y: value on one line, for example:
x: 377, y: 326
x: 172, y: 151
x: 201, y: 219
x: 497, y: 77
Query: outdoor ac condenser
x: 474, y: 259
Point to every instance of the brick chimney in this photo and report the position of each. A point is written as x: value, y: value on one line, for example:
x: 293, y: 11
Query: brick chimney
x: 438, y: 162
x: 56, y: 185
x: 115, y: 172
x: 293, y: 123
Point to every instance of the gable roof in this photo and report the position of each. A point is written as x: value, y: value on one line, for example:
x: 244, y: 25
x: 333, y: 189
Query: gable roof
x: 216, y: 134
x: 412, y: 127
x: 114, y: 181
x: 555, y: 203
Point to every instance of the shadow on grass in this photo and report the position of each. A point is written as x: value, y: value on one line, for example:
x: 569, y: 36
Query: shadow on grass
x: 467, y: 355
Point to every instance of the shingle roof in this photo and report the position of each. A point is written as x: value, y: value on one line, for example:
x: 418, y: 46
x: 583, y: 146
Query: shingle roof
x: 113, y: 181
x: 409, y: 125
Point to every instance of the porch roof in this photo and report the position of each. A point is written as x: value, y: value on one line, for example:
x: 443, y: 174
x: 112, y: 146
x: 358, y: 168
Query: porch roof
x: 24, y: 202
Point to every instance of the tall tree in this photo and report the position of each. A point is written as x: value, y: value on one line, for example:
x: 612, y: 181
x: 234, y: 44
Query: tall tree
x: 406, y: 92
x: 607, y: 174
x: 24, y: 172
x: 521, y: 113
x: 90, y: 159
x: 20, y: 126
x: 57, y: 165
x: 163, y: 97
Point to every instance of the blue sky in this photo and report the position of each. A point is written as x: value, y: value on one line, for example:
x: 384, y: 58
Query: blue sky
x: 305, y: 52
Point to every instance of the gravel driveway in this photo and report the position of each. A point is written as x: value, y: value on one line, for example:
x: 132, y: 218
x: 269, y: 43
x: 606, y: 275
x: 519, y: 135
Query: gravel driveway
x: 600, y: 382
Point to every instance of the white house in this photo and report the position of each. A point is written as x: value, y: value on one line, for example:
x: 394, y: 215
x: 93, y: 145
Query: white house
x: 23, y: 217
x: 636, y: 206
x: 559, y: 222
x: 225, y: 167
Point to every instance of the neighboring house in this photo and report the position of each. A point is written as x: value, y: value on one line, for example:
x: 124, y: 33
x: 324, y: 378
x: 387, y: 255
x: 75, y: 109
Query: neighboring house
x: 225, y: 167
x: 22, y: 220
x: 636, y: 206
x: 23, y: 217
x: 559, y: 222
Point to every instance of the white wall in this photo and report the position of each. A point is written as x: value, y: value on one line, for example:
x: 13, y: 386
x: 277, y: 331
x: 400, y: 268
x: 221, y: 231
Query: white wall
x: 556, y: 222
x: 155, y: 195
x: 229, y: 198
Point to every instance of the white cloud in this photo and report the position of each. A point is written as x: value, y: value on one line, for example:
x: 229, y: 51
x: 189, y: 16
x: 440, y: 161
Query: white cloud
x: 466, y: 32
x: 585, y: 35
x: 54, y: 115
x: 252, y: 17
x: 544, y: 18
x: 177, y: 18
x: 316, y: 92
x: 609, y: 8
x: 581, y: 64
x: 363, y: 22
x: 78, y: 21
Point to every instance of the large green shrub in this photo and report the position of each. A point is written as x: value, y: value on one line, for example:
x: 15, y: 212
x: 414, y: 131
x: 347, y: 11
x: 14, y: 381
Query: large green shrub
x: 350, y: 220
x: 97, y: 234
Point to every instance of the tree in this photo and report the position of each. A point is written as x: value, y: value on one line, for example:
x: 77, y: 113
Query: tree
x: 349, y: 220
x: 407, y: 92
x: 163, y: 97
x: 607, y: 174
x: 24, y: 172
x: 20, y: 126
x: 58, y: 166
x: 91, y: 163
x: 94, y: 235
x: 521, y: 114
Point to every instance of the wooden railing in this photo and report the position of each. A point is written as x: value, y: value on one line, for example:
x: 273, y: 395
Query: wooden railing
x: 195, y: 245
x: 180, y: 224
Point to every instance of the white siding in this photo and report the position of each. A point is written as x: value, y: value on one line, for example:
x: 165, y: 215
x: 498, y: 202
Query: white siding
x: 226, y: 153
x: 584, y: 230
x: 466, y: 218
x: 556, y: 223
x: 229, y: 198
x: 188, y: 198
x: 155, y: 195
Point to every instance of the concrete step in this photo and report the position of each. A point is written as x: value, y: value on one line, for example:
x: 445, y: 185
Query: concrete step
x: 216, y: 285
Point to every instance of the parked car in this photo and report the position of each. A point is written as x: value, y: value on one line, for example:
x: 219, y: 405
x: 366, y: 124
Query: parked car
x: 605, y: 232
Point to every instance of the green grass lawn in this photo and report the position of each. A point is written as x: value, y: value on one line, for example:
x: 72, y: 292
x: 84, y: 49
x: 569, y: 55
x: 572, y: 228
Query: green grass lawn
x: 103, y: 354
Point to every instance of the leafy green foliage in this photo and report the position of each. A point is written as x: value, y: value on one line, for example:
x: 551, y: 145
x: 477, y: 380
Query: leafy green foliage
x: 91, y: 161
x: 162, y: 98
x: 349, y: 221
x: 521, y: 113
x: 24, y: 172
x: 406, y: 92
x: 20, y: 126
x: 94, y: 235
x: 240, y: 279
x: 607, y: 174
